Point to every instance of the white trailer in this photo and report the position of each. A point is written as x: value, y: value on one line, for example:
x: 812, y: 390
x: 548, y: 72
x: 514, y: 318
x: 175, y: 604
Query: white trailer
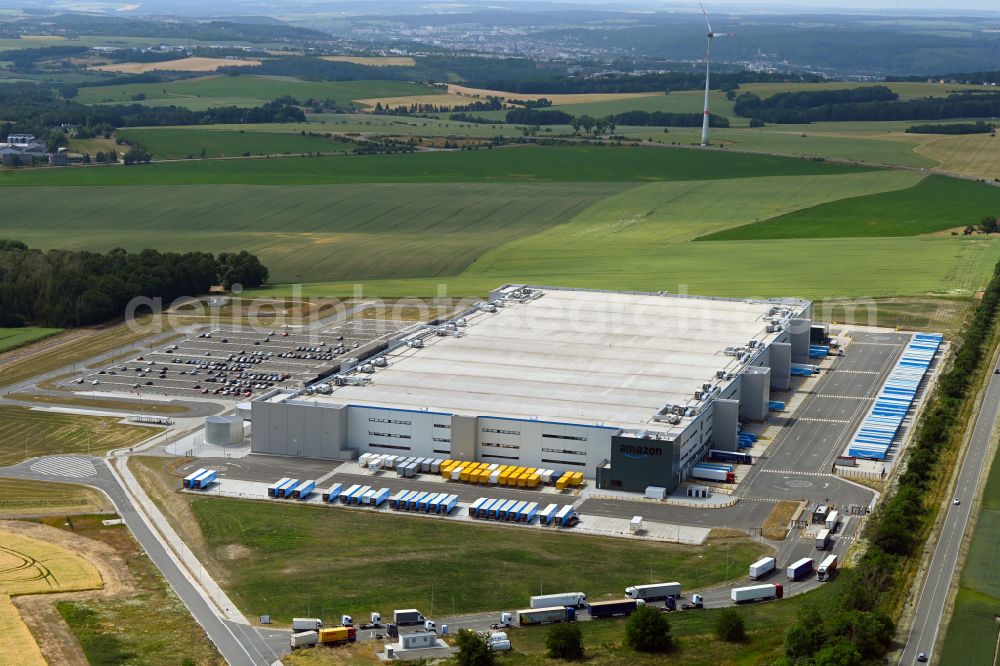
x: 574, y: 599
x: 653, y: 591
x: 306, y: 624
x: 741, y: 595
x: 762, y: 567
x: 832, y: 520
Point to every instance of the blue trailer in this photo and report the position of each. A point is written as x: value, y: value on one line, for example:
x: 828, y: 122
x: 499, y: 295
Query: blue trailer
x: 355, y: 497
x: 475, y: 506
x: 205, y: 480
x: 366, y: 497
x: 380, y: 497
x: 272, y: 490
x: 504, y: 508
x: 546, y: 515
x: 447, y: 504
x: 345, y: 495
x: 192, y: 476
x: 731, y: 456
x: 483, y: 510
x: 333, y: 492
x: 286, y: 490
x: 527, y: 513
x: 414, y: 500
x: 435, y: 504
x: 566, y: 516
x: 514, y: 512
x: 304, y: 489
x: 400, y: 496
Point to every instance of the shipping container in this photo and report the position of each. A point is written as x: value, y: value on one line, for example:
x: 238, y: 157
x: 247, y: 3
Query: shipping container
x: 574, y: 599
x: 530, y: 616
x: 761, y: 568
x: 741, y: 595
x: 624, y: 607
x: 332, y: 494
x: 653, y: 591
x: 304, y: 489
x: 195, y: 474
x: 800, y: 568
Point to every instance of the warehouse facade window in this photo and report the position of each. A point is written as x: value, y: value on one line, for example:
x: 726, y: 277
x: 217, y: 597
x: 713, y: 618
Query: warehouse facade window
x: 501, y: 432
x: 563, y: 462
x: 567, y: 451
x: 442, y: 439
x: 579, y: 439
x: 388, y: 434
x: 375, y: 420
x: 499, y: 457
x: 373, y: 445
x: 442, y: 425
x: 498, y: 445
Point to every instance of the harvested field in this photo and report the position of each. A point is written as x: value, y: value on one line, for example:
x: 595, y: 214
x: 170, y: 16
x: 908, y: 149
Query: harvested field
x: 32, y: 566
x: 557, y: 99
x: 195, y: 64
x: 15, y: 638
x: 22, y: 498
x: 375, y: 61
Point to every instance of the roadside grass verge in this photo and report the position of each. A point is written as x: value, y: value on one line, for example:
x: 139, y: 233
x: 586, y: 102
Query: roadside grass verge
x: 96, y: 403
x: 10, y: 338
x: 937, y: 203
x: 21, y: 498
x: 776, y: 525
x: 30, y: 433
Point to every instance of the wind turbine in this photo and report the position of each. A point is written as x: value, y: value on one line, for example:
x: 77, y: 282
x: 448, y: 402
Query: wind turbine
x: 708, y: 62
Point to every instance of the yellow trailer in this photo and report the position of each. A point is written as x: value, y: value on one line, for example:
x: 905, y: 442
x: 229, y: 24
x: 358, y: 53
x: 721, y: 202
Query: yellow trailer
x: 504, y: 475
x: 563, y: 481
x: 522, y: 481
x: 335, y: 635
x: 534, y: 480
x: 577, y: 479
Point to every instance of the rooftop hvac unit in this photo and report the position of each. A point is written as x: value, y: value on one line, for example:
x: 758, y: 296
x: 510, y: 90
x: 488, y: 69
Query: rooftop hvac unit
x: 706, y: 387
x: 676, y: 409
x: 697, y: 395
x: 416, y: 343
x: 720, y: 374
x: 690, y: 411
x: 354, y: 380
x: 460, y: 322
x: 769, y: 328
x: 380, y: 362
x: 367, y: 368
x: 674, y: 418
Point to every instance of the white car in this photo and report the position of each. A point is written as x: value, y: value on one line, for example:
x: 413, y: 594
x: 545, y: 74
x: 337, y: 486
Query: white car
x: 957, y: 501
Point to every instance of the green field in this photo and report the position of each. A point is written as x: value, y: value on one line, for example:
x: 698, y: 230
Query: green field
x: 934, y: 204
x: 172, y: 143
x: 443, y: 567
x: 20, y: 498
x: 15, y: 337
x: 246, y: 90
x: 29, y: 433
x: 520, y: 163
x: 338, y: 232
x: 972, y: 633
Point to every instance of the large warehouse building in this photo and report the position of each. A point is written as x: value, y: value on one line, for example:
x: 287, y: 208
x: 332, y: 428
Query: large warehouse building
x: 630, y: 388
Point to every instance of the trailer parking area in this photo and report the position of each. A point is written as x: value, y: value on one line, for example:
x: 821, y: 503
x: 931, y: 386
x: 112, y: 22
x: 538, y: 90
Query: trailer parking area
x: 240, y: 362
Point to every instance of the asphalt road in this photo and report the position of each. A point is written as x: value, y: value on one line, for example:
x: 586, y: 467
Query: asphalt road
x: 934, y: 592
x: 238, y: 643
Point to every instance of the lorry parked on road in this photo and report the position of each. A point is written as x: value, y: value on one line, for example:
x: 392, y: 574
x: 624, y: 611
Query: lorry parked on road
x: 823, y: 539
x: 574, y: 599
x: 741, y: 595
x: 832, y: 521
x: 531, y: 616
x: 827, y: 568
x: 303, y: 639
x: 338, y: 635
x: 407, y: 616
x: 600, y: 609
x: 800, y: 568
x: 761, y: 568
x: 306, y: 624
x: 653, y: 591
x: 697, y: 601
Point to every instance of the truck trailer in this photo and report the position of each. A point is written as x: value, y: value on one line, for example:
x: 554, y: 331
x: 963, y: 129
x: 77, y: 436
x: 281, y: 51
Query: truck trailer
x: 380, y: 497
x: 531, y: 616
x: 272, y: 490
x: 827, y: 568
x: 832, y: 520
x: 345, y: 495
x: 761, y: 568
x: 566, y: 517
x: 355, y: 497
x: 731, y: 457
x: 306, y: 624
x: 741, y: 595
x: 823, y: 539
x: 527, y: 514
x: 205, y: 479
x: 546, y: 515
x: 304, y: 490
x: 800, y: 568
x: 474, y: 507
x: 303, y: 639
x: 338, y: 635
x: 625, y: 607
x: 407, y: 616
x: 192, y: 476
x: 332, y: 494
x: 712, y: 474
x: 447, y: 505
x: 653, y: 591
x: 574, y: 599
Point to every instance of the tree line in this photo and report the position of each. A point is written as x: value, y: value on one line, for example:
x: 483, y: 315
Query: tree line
x: 863, y: 104
x: 627, y: 83
x: 978, y: 127
x: 64, y: 288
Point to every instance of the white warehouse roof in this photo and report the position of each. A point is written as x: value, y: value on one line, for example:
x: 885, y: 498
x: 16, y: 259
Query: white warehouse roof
x: 588, y: 357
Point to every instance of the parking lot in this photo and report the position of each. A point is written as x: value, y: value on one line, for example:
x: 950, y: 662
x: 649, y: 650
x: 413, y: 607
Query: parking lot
x: 238, y: 363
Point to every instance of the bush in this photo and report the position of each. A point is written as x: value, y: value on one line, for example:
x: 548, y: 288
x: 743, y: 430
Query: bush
x: 648, y: 631
x: 564, y: 642
x: 730, y: 626
x: 473, y: 648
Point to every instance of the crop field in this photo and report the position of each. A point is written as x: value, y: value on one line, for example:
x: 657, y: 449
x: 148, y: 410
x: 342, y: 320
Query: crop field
x: 194, y: 64
x: 934, y: 204
x: 519, y: 163
x: 29, y: 433
x: 15, y: 337
x: 261, y: 550
x: 972, y: 154
x: 177, y: 143
x: 375, y: 61
x: 20, y: 498
x: 334, y: 232
x: 906, y: 90
x: 16, y: 638
x: 972, y: 633
x: 246, y: 90
x: 32, y: 566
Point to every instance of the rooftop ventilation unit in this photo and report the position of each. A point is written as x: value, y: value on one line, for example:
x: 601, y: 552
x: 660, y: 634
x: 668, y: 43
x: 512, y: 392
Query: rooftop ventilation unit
x: 460, y: 322
x: 697, y: 395
x: 415, y: 343
x: 690, y: 411
x: 380, y: 362
x: 706, y: 387
x: 367, y: 368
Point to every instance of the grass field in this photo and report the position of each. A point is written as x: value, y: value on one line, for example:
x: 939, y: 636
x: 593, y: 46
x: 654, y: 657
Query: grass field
x: 16, y: 640
x: 32, y: 566
x: 521, y: 163
x: 29, y: 433
x: 336, y: 232
x: 934, y: 204
x: 973, y: 154
x: 15, y: 337
x: 972, y: 634
x: 21, y: 498
x: 175, y: 143
x: 262, y: 549
x: 195, y: 64
x: 247, y: 90
x: 913, y: 313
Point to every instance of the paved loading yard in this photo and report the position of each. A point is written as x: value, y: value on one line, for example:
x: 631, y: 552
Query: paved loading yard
x: 241, y: 362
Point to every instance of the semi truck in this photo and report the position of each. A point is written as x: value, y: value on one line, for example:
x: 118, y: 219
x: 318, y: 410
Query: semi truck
x: 531, y: 616
x: 407, y: 616
x: 761, y: 568
x: 653, y: 591
x: 332, y: 494
x: 832, y: 520
x: 192, y: 476
x: 800, y: 568
x: 827, y: 568
x: 303, y: 639
x: 712, y: 474
x: 304, y: 490
x: 338, y: 635
x: 600, y: 609
x: 823, y: 539
x: 742, y: 595
x: 574, y: 599
x: 306, y: 624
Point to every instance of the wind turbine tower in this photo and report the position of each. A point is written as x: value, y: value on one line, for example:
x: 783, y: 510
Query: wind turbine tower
x: 708, y: 63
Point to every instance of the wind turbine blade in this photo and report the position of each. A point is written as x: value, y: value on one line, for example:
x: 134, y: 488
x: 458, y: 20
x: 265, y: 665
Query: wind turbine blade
x: 705, y: 14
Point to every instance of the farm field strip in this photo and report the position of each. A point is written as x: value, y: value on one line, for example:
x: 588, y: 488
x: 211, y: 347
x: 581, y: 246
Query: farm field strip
x: 905, y: 89
x: 177, y: 143
x: 972, y: 154
x: 15, y: 337
x: 194, y: 64
x: 19, y: 498
x: 32, y: 566
x: 16, y: 638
